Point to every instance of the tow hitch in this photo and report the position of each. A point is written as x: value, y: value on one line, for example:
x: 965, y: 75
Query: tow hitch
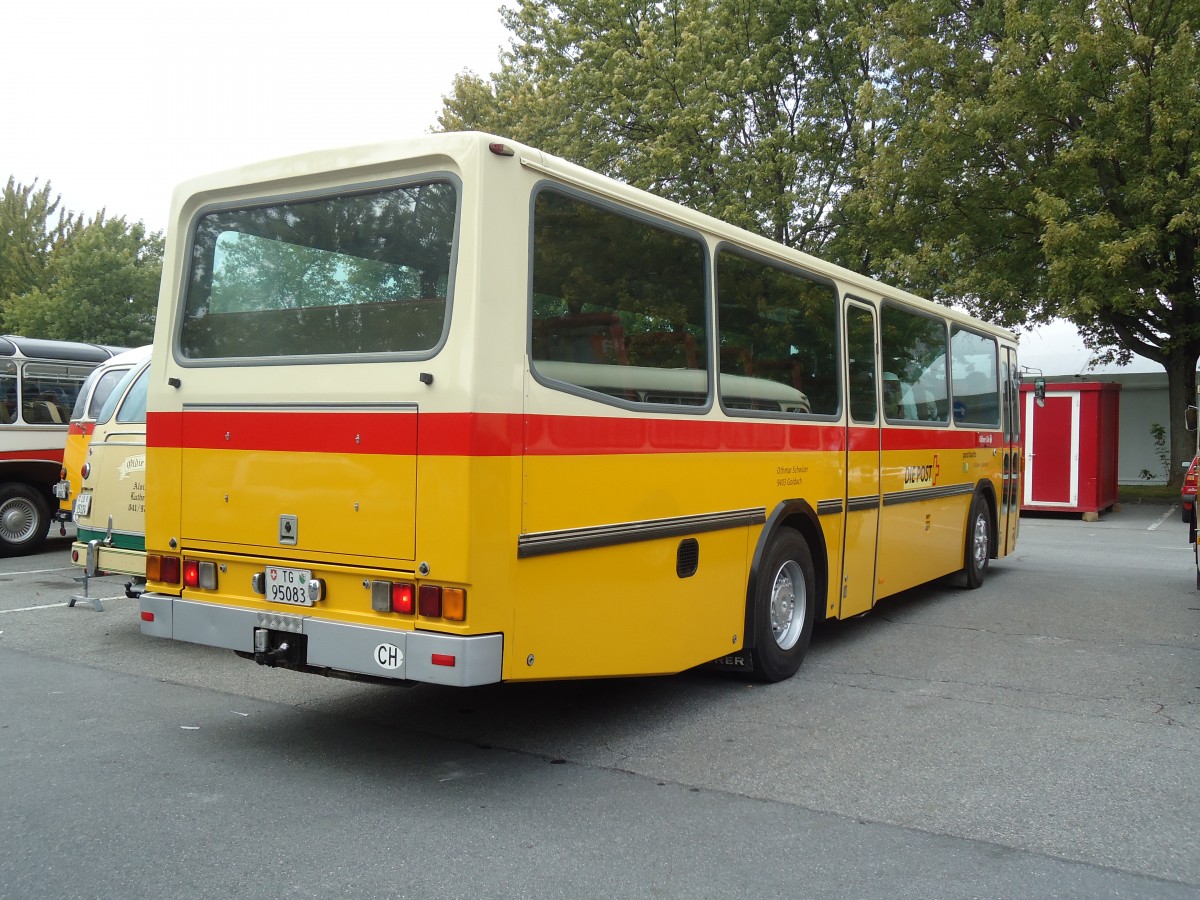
x: 279, y: 648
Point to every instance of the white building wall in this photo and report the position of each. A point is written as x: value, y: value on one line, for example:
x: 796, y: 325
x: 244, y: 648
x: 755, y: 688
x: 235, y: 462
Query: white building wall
x: 1142, y: 405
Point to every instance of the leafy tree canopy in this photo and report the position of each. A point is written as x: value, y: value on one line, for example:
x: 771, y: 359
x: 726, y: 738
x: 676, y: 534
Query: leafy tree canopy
x: 31, y: 226
x: 1040, y: 160
x: 66, y: 278
x: 746, y: 111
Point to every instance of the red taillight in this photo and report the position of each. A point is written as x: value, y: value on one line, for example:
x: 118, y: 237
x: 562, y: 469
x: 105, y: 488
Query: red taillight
x: 402, y: 598
x: 429, y: 601
x: 191, y: 573
x: 147, y: 616
x: 62, y: 474
x: 162, y: 568
x: 85, y: 471
x: 442, y: 659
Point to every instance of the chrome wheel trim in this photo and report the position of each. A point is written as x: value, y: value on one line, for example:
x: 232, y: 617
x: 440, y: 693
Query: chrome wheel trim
x: 979, y: 542
x: 789, y: 601
x: 18, y: 519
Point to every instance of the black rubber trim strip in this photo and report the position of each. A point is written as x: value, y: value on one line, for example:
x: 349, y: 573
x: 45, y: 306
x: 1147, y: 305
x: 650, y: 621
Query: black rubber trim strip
x: 858, y: 504
x: 933, y: 493
x: 543, y: 543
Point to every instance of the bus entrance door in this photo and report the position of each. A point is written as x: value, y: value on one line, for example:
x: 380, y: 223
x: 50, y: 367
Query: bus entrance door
x: 862, y: 464
x: 1010, y: 494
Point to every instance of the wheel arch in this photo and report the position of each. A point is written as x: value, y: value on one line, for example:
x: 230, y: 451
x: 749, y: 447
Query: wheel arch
x: 39, y: 474
x: 799, y: 515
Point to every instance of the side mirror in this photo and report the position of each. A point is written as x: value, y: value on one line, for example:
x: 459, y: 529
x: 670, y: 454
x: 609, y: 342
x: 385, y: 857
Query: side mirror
x: 1039, y: 391
x: 1189, y: 418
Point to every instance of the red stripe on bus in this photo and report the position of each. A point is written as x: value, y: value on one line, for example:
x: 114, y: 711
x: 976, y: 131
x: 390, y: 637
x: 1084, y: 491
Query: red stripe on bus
x: 933, y: 439
x: 32, y: 455
x: 84, y: 428
x: 299, y: 432
x: 499, y: 434
x: 478, y: 434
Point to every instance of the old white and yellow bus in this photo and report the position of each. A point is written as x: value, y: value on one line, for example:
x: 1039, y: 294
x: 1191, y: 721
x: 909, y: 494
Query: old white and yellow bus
x: 39, y: 382
x: 453, y: 410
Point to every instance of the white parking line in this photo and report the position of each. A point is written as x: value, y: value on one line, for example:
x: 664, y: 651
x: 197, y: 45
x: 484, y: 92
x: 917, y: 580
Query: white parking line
x: 54, y: 605
x: 1170, y: 512
x: 41, y: 571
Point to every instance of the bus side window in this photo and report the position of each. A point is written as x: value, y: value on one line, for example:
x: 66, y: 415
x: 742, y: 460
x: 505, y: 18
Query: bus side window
x: 914, y: 350
x: 620, y: 301
x: 974, y: 363
x: 778, y: 325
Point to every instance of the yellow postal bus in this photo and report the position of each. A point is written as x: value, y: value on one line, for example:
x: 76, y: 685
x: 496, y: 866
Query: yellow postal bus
x: 39, y: 382
x: 453, y: 410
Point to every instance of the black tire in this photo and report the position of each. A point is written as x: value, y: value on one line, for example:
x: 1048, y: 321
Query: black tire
x: 978, y: 550
x: 785, y: 606
x: 24, y: 519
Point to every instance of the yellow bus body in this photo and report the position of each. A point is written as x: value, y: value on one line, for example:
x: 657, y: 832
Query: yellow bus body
x: 591, y: 537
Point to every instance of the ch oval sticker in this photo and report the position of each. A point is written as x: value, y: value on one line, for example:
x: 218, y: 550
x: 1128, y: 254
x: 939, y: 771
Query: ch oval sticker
x: 389, y: 656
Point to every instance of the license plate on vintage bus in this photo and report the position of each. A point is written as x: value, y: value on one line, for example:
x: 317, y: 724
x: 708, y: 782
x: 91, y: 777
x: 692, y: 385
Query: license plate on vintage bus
x: 83, y: 504
x: 288, y: 586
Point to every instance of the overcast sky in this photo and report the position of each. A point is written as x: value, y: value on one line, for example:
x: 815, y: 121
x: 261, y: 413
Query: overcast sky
x: 114, y: 103
x: 117, y: 101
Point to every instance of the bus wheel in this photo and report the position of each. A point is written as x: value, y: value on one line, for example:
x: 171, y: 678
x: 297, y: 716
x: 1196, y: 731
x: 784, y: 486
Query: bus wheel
x: 784, y: 607
x: 979, y: 542
x: 24, y: 519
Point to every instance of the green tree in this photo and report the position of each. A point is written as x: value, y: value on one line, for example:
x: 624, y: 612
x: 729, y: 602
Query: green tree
x: 747, y: 111
x: 31, y: 227
x: 100, y: 285
x: 1039, y: 159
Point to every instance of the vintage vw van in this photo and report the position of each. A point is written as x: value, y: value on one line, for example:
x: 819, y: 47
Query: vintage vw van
x: 110, y: 511
x: 95, y: 391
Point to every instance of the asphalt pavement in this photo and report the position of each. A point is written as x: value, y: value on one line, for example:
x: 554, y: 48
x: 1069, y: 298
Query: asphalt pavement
x: 1034, y: 738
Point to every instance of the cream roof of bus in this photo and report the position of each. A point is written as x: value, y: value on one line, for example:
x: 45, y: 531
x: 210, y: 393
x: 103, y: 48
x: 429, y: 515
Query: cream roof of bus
x: 122, y: 360
x: 466, y: 151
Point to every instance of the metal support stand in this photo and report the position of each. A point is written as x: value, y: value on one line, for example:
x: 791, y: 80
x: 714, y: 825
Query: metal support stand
x: 89, y: 568
x: 97, y: 605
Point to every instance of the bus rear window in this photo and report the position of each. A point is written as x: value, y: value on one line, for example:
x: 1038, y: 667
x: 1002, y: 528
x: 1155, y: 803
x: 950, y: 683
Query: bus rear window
x: 352, y: 274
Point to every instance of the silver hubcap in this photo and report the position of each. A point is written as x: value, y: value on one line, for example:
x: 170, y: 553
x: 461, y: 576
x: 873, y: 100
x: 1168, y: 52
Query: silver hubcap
x: 979, y: 550
x: 789, y: 597
x: 17, y: 520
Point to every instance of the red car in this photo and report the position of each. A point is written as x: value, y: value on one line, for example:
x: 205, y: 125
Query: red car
x: 1187, y: 497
